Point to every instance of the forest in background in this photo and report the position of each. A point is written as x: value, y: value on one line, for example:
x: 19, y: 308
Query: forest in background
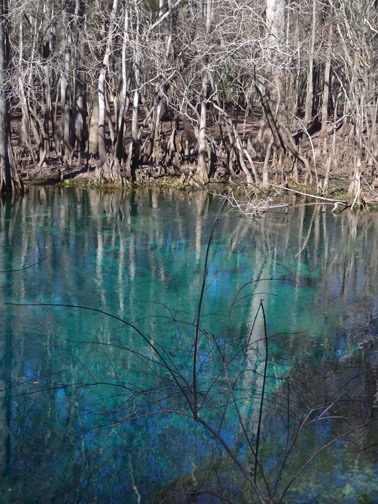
x: 204, y: 90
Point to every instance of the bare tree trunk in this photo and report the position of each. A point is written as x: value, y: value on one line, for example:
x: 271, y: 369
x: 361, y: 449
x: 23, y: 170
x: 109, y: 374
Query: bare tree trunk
x: 202, y: 172
x: 310, y: 72
x: 80, y: 112
x: 265, y: 177
x: 133, y: 159
x: 327, y: 154
x: 9, y: 180
x: 326, y: 87
x: 101, y: 85
x: 25, y: 133
x: 101, y: 117
x: 122, y: 98
x: 65, y: 81
x: 275, y: 23
x: 93, y: 129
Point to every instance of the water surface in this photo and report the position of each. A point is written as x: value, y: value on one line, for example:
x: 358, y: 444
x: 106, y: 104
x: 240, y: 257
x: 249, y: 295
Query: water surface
x: 100, y: 376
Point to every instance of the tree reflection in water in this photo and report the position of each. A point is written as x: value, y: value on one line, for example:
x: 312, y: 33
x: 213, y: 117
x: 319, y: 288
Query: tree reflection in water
x: 95, y: 408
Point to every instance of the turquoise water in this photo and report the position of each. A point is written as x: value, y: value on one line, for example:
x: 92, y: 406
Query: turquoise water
x: 105, y: 396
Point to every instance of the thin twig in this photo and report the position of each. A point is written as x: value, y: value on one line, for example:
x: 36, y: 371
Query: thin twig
x: 198, y: 315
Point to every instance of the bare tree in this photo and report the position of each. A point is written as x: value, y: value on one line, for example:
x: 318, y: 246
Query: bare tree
x: 111, y: 31
x: 9, y: 179
x: 356, y: 73
x: 182, y: 87
x: 80, y: 108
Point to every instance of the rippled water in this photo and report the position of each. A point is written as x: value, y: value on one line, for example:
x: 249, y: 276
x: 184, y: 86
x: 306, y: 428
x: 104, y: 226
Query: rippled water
x: 105, y: 397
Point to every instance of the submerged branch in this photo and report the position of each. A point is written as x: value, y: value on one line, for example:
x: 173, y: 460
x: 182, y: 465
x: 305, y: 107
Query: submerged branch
x: 24, y: 267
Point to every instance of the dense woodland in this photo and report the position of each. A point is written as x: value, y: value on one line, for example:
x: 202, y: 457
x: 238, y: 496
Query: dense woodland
x: 203, y: 90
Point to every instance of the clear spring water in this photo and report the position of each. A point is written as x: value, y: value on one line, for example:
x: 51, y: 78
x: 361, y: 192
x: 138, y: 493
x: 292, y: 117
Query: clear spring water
x: 97, y: 353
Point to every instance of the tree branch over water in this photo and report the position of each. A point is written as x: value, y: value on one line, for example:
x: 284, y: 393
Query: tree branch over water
x: 267, y: 489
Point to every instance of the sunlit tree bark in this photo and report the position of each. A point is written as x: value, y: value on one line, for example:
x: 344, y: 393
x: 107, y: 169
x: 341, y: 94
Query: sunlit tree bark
x: 65, y: 89
x: 9, y: 180
x: 123, y: 95
x: 101, y: 84
x: 202, y: 173
x: 133, y: 160
x: 80, y: 110
x: 310, y: 71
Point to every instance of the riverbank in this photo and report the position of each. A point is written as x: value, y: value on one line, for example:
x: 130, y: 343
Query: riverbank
x: 251, y: 198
